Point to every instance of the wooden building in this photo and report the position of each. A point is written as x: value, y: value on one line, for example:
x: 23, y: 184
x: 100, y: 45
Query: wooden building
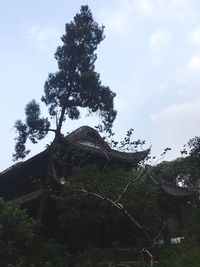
x: 26, y: 182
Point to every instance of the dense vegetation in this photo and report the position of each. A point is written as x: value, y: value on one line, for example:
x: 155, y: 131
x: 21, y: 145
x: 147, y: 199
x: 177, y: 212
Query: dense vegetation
x: 89, y: 220
x: 21, y: 243
x: 110, y: 206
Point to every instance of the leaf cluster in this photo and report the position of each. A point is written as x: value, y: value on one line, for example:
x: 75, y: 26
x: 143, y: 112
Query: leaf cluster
x: 127, y: 144
x: 35, y: 128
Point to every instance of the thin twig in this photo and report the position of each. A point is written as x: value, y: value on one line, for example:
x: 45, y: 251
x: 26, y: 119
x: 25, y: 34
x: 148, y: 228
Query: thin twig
x: 128, y: 184
x: 119, y: 206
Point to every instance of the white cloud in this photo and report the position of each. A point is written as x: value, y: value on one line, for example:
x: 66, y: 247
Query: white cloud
x: 146, y: 6
x: 117, y: 21
x: 176, y: 124
x: 125, y: 13
x: 121, y: 104
x: 118, y: 18
x: 160, y: 39
x: 194, y: 36
x: 193, y: 64
x: 43, y: 38
x: 180, y: 112
x: 177, y: 9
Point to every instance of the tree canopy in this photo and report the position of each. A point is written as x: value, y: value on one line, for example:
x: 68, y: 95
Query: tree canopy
x: 99, y: 205
x: 75, y: 85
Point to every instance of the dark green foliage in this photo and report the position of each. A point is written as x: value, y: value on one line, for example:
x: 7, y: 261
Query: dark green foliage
x: 190, y: 164
x: 191, y: 215
x: 192, y: 147
x: 38, y: 127
x: 35, y: 128
x: 185, y: 254
x: 186, y: 172
x: 111, y: 258
x: 182, y: 171
x: 75, y: 85
x: 87, y: 213
x: 20, y: 243
x: 168, y: 171
x: 20, y: 149
x: 17, y: 233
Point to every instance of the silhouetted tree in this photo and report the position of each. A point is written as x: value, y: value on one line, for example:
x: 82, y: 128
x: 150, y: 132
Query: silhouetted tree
x: 75, y: 85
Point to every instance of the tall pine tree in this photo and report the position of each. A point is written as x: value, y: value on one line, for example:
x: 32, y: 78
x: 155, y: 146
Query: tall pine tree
x: 75, y: 85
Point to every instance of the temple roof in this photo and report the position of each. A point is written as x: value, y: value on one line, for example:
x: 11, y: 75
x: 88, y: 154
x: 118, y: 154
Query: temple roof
x: 171, y: 189
x: 85, y: 139
x: 17, y: 180
x: 176, y: 191
x: 89, y: 139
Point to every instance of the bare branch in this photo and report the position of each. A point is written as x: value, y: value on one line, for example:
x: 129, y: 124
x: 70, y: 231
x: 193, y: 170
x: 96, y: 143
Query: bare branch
x: 149, y: 254
x: 118, y: 206
x: 92, y: 193
x: 133, y: 180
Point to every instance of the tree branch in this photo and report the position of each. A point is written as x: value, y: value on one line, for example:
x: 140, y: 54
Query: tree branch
x: 61, y: 120
x: 128, y: 184
x: 118, y: 206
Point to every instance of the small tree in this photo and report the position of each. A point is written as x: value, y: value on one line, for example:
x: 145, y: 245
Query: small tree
x: 75, y: 85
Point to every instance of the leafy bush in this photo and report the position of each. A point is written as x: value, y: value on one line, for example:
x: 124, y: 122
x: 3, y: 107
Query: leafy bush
x: 183, y: 255
x: 20, y: 242
x: 186, y: 254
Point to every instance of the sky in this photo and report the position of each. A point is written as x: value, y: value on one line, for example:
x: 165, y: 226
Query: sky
x: 150, y: 58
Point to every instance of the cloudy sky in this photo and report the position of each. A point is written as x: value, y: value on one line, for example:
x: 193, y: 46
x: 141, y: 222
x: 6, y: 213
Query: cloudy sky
x: 150, y: 58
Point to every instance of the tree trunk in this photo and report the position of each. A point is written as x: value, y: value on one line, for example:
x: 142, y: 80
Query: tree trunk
x: 45, y: 196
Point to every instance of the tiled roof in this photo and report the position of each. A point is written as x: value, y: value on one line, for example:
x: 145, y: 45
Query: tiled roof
x: 89, y: 139
x: 176, y: 191
x: 171, y: 189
